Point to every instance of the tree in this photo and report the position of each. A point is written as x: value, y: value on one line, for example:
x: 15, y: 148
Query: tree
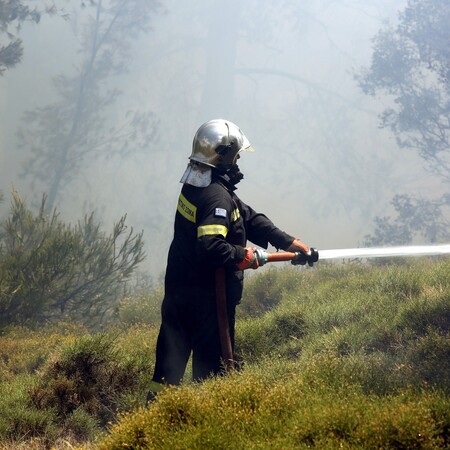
x: 13, y: 13
x: 411, y: 65
x: 62, y: 135
x: 51, y: 270
x: 415, y: 217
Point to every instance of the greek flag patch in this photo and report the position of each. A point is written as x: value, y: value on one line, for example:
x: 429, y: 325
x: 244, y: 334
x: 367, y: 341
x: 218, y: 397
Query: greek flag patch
x: 220, y: 212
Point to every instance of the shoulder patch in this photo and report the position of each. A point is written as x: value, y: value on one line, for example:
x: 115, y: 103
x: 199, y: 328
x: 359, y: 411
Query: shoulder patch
x: 220, y: 212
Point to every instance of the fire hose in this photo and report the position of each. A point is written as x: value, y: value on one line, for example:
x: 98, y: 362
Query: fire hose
x: 369, y: 252
x: 222, y: 317
x: 296, y: 258
x: 308, y: 258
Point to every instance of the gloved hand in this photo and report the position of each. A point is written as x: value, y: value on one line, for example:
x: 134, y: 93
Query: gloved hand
x: 298, y: 246
x: 250, y: 261
x: 303, y: 258
x: 306, y: 254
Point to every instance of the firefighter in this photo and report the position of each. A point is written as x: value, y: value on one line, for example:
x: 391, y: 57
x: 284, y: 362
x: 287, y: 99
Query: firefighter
x: 212, y: 226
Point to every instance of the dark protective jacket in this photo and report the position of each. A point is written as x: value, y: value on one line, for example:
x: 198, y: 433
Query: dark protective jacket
x: 212, y: 226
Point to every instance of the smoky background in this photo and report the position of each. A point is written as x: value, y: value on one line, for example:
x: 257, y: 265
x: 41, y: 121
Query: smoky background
x: 284, y: 72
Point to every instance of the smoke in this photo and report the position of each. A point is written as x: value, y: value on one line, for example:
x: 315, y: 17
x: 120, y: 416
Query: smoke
x: 322, y: 169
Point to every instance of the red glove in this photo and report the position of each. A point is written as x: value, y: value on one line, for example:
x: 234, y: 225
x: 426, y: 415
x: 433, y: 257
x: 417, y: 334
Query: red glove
x: 298, y: 246
x: 250, y: 261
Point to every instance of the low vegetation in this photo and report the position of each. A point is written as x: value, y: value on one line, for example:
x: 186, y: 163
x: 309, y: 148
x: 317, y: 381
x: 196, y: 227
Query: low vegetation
x: 340, y: 356
x: 52, y: 271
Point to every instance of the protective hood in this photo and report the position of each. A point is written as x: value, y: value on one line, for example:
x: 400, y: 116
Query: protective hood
x: 198, y: 175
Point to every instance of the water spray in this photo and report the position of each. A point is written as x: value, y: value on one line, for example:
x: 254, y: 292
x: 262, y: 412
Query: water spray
x: 382, y: 252
x: 348, y: 253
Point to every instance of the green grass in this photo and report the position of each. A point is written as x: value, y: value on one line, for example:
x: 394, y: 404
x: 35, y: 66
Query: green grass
x: 342, y: 356
x: 276, y: 405
x: 80, y: 385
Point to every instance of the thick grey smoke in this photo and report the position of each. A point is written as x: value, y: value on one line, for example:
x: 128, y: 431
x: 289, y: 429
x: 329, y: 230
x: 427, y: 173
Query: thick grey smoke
x: 283, y: 71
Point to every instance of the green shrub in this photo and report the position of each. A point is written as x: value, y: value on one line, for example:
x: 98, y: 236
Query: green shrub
x: 265, y: 290
x: 82, y: 383
x: 50, y: 270
x: 429, y: 359
x: 394, y: 320
x: 273, y: 405
x: 81, y: 426
x: 138, y: 343
x: 85, y: 385
x: 271, y: 333
x: 90, y: 373
x: 18, y: 419
x: 430, y: 309
x: 22, y: 421
x: 352, y: 356
x: 25, y: 351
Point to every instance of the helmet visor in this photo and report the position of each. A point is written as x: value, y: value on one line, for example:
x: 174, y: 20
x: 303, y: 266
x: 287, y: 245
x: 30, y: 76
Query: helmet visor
x: 246, y: 146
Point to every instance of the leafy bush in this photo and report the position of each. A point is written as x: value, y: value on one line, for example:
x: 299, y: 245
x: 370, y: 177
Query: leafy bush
x: 393, y: 320
x: 271, y: 333
x: 25, y: 351
x: 265, y: 290
x: 82, y: 384
x: 273, y: 405
x: 90, y: 374
x: 51, y: 270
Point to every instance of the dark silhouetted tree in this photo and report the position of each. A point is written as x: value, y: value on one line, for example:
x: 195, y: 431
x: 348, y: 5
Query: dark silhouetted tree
x: 411, y: 65
x: 61, y: 136
x: 414, y: 217
x: 13, y: 14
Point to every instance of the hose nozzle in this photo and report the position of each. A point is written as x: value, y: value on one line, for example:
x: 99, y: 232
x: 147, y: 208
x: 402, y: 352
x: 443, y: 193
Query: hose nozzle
x: 296, y: 258
x: 302, y: 258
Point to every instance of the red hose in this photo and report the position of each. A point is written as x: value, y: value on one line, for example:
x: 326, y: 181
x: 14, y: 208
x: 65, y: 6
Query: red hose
x: 222, y: 317
x: 280, y: 256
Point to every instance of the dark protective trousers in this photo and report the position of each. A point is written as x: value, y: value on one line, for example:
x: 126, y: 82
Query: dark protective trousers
x: 189, y: 324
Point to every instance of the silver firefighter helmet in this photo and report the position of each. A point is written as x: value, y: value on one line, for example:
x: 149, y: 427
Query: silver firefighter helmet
x: 217, y: 143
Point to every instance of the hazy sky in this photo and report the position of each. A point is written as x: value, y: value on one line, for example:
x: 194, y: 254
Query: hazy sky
x: 283, y: 71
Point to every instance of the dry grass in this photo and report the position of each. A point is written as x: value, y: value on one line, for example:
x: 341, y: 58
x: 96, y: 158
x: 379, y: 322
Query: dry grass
x: 347, y: 356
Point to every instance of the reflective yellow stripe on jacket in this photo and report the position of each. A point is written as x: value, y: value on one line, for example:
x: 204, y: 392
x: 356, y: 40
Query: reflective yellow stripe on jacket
x: 187, y: 209
x: 235, y: 215
x: 212, y: 230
